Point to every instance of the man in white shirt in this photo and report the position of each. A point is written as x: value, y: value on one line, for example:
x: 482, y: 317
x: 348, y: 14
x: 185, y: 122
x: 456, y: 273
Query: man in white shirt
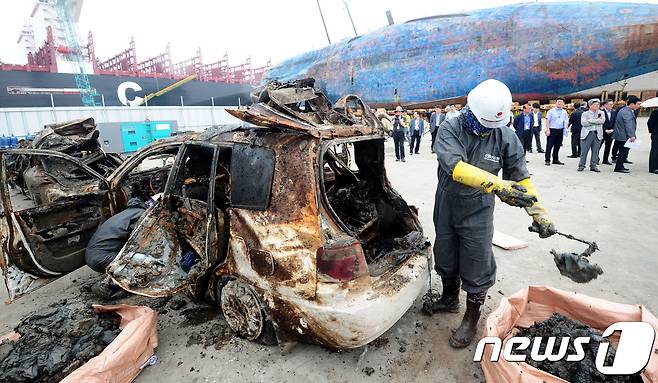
x: 557, y: 119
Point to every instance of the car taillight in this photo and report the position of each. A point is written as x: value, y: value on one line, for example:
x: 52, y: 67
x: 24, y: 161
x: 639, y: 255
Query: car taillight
x: 342, y: 262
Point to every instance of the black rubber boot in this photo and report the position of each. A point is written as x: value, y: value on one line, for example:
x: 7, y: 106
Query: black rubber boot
x: 464, y: 334
x: 449, y: 300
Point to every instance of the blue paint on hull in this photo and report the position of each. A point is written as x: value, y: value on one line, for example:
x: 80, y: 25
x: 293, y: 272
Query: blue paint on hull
x: 539, y: 50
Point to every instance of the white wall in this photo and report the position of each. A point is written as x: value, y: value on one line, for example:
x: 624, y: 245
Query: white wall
x: 21, y: 121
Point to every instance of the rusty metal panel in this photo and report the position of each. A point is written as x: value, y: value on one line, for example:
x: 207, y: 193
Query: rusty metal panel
x: 288, y: 232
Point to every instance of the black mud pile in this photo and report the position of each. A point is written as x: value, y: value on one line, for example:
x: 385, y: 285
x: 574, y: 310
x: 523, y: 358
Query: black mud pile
x: 55, y: 341
x: 388, y: 252
x: 206, y: 326
x: 87, y: 295
x: 575, y: 372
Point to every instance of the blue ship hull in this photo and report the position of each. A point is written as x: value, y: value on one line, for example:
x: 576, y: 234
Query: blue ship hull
x: 540, y: 50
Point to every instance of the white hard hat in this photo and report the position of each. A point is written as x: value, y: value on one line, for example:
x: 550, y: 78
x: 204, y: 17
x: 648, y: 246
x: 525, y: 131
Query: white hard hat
x: 490, y: 101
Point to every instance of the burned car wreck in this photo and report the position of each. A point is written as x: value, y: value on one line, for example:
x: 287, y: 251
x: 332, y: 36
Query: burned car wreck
x: 46, y: 179
x: 55, y: 191
x: 276, y: 225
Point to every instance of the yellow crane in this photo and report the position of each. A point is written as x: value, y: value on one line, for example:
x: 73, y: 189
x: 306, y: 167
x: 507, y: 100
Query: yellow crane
x: 166, y: 89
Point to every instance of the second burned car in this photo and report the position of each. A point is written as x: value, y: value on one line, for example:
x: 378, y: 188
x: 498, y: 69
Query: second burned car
x: 55, y: 191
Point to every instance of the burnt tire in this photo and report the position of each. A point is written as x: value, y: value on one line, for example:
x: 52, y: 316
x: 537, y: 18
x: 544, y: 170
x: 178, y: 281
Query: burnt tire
x: 244, y: 312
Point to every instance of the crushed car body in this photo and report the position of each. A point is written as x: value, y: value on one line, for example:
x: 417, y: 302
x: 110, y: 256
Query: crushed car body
x: 47, y: 220
x: 289, y: 224
x: 46, y: 179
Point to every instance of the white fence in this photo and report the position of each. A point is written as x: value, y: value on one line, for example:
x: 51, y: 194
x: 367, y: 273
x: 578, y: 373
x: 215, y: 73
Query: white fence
x: 23, y: 121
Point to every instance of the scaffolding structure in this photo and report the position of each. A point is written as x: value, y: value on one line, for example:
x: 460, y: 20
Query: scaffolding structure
x: 73, y: 52
x: 156, y: 66
x: 125, y: 63
x: 122, y: 63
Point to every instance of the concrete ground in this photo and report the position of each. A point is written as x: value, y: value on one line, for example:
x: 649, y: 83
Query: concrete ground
x: 618, y: 211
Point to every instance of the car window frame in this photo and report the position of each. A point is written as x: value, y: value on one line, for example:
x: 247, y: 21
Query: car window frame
x: 128, y: 165
x: 176, y: 167
x: 256, y: 207
x: 51, y: 153
x: 320, y: 174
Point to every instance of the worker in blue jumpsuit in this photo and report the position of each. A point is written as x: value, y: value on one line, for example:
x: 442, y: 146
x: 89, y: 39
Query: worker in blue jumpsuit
x: 471, y: 149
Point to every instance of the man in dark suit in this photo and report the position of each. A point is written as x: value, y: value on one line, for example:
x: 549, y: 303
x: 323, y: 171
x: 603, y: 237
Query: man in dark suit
x: 416, y: 131
x: 436, y: 119
x: 399, y: 133
x: 625, y: 127
x: 615, y: 144
x: 608, y: 129
x: 523, y: 127
x: 537, y: 125
x: 575, y: 127
x: 653, y: 130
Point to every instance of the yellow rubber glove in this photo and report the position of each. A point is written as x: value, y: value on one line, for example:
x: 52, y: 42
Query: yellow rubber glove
x: 540, y: 222
x: 510, y: 192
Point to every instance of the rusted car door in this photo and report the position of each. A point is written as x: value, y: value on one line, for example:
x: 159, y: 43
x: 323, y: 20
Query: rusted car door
x: 167, y: 252
x: 41, y: 243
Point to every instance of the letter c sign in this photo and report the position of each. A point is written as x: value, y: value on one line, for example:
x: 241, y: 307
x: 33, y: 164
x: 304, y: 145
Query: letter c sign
x: 121, y: 93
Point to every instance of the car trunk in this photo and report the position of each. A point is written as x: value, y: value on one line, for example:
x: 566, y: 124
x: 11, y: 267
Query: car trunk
x: 374, y: 219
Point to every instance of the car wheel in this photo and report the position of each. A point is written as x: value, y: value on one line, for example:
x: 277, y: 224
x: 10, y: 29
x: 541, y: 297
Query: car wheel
x: 244, y: 312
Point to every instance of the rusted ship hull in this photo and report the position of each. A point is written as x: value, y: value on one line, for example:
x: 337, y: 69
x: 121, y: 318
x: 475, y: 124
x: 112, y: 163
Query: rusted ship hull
x: 540, y: 50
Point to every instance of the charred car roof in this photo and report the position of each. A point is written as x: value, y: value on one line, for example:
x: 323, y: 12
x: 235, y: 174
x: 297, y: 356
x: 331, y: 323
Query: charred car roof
x: 299, y: 107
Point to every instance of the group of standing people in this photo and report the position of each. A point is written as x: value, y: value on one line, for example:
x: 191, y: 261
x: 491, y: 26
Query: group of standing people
x: 412, y: 128
x: 593, y: 126
x: 406, y: 128
x: 527, y: 125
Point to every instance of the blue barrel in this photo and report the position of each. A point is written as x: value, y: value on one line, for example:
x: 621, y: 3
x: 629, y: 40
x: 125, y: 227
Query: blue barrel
x: 4, y: 142
x: 13, y: 141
